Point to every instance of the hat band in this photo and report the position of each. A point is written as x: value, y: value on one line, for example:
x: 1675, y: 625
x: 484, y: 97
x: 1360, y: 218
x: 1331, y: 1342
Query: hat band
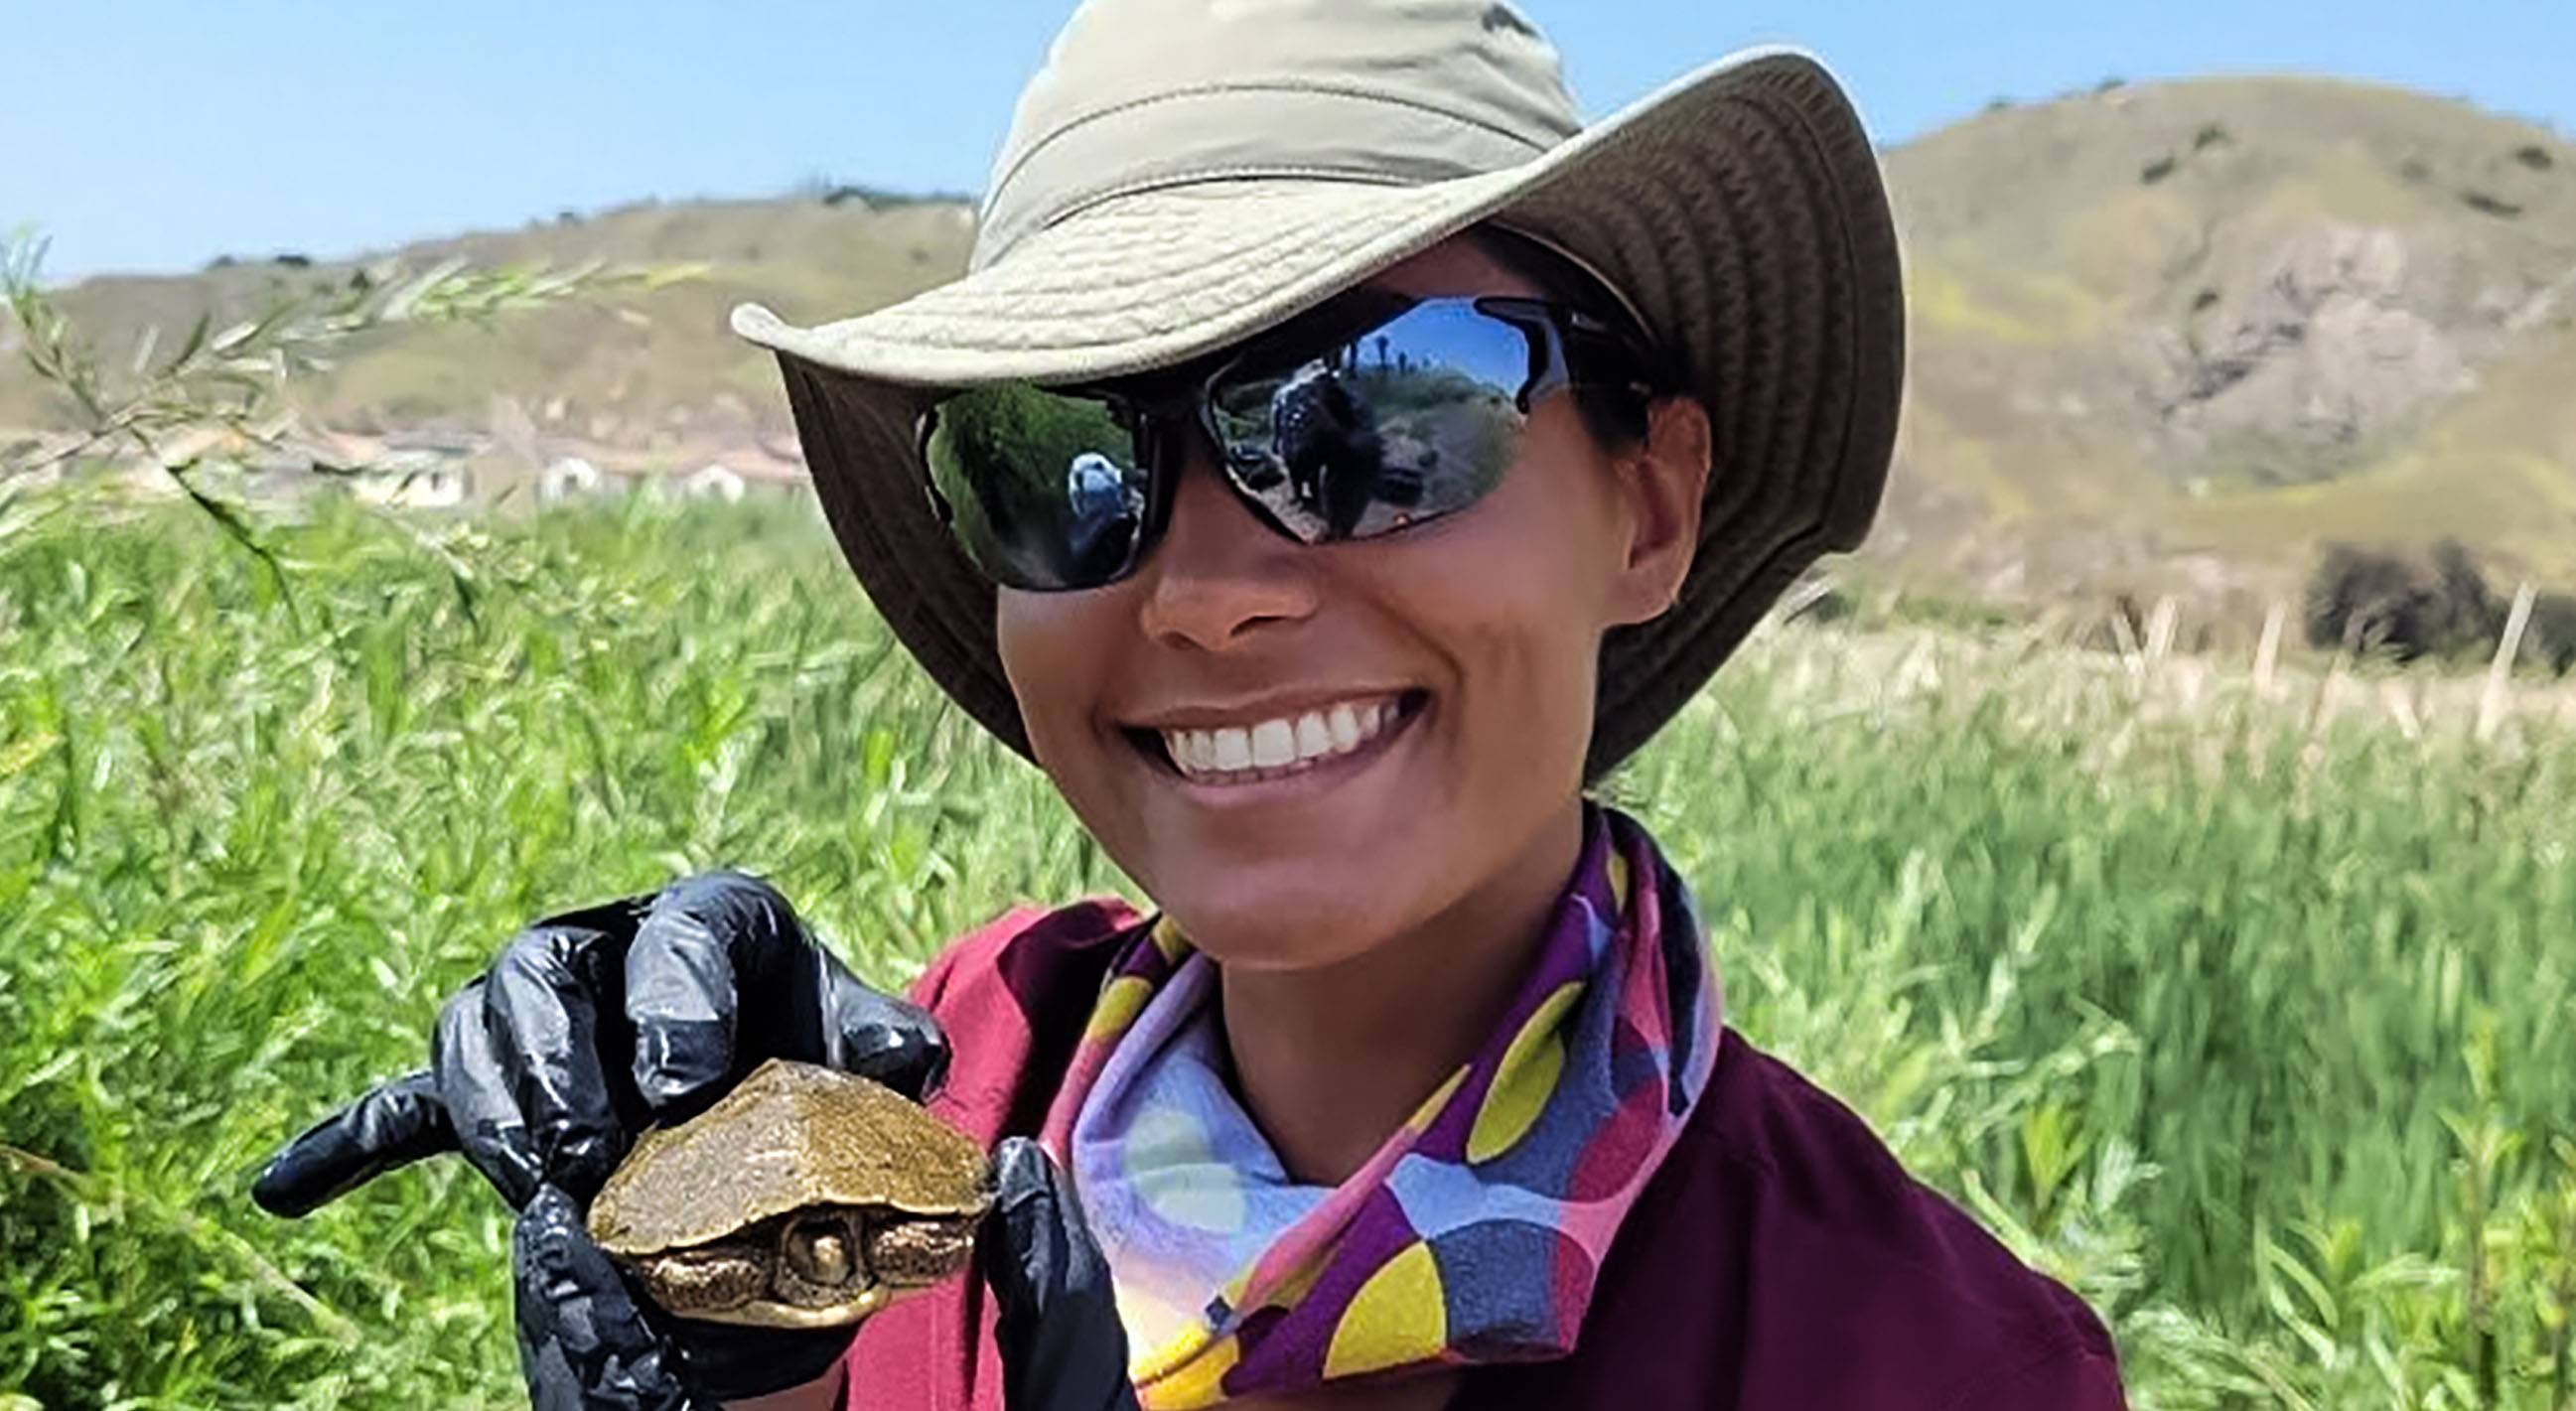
x: 1236, y: 131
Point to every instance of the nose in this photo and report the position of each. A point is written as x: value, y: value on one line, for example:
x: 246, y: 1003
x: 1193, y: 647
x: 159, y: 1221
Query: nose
x: 1221, y: 575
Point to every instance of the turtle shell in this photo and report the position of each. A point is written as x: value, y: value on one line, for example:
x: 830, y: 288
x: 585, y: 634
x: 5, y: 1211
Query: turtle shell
x: 789, y: 1137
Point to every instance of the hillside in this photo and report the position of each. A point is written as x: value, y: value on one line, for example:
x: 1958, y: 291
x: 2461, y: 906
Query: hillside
x: 2183, y: 332
x: 631, y: 369
x: 2166, y: 337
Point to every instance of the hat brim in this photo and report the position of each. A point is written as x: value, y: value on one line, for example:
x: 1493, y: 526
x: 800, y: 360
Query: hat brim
x: 1741, y: 210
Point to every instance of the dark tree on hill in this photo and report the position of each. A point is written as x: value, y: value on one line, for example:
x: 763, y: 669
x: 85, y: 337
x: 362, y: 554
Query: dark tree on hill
x: 2461, y: 615
x: 2550, y: 636
x: 2367, y: 600
x: 2364, y: 600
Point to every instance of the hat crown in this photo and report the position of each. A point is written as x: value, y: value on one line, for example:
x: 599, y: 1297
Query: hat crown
x: 1145, y: 94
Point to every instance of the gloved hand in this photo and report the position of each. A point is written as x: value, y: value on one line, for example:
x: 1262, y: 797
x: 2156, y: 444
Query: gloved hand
x: 1063, y: 1348
x: 589, y: 1027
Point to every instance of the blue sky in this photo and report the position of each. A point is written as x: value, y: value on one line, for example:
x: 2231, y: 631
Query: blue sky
x: 156, y: 134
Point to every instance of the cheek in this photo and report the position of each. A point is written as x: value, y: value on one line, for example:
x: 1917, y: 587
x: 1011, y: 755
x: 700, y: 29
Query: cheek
x: 1514, y: 593
x: 1055, y: 649
x: 1064, y: 654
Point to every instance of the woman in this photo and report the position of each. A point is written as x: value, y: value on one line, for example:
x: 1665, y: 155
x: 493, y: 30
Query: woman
x: 1455, y: 446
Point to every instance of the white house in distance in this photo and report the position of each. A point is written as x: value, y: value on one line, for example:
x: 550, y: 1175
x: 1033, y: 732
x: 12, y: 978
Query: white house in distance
x: 713, y: 481
x: 568, y: 478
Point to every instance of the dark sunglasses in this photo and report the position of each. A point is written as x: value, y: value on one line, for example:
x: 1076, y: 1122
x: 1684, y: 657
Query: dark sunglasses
x: 1373, y: 413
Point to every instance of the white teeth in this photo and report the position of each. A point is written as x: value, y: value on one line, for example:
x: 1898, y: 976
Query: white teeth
x: 1274, y: 743
x: 1279, y: 746
x: 1344, y: 725
x: 1314, y: 737
x: 1233, y: 749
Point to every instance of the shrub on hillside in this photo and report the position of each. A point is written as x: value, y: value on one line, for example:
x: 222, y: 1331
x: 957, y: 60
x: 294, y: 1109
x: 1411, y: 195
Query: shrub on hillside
x: 2486, y: 204
x: 2551, y: 636
x: 2462, y: 614
x: 2366, y: 600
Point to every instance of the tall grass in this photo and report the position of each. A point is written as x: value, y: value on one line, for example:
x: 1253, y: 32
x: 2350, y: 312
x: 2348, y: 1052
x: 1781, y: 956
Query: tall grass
x: 2251, y: 1014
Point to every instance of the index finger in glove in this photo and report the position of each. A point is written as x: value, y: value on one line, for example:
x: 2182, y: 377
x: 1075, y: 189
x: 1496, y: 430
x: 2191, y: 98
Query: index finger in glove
x: 482, y: 1103
x: 584, y: 1343
x: 392, y: 1124
x: 541, y: 1006
x: 1063, y: 1348
x: 698, y: 948
x: 723, y: 974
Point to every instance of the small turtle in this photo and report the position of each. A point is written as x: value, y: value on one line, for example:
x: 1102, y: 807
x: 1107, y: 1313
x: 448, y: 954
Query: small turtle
x: 804, y: 1198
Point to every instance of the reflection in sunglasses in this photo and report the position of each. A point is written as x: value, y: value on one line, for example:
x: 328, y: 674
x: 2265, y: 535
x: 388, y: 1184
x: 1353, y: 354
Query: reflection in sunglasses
x: 1345, y: 423
x: 1353, y: 440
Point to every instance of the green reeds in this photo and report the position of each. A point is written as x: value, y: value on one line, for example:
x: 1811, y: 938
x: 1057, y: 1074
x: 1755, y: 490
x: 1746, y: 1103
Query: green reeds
x: 2247, y: 1006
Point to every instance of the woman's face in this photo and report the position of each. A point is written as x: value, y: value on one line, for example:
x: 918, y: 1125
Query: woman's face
x: 1477, y: 632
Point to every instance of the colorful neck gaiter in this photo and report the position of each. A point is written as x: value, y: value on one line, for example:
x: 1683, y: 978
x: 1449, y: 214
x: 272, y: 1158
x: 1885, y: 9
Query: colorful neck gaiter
x: 1473, y: 1235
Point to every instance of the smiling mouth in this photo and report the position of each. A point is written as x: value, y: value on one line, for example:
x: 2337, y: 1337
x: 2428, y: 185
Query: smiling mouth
x: 1332, y: 739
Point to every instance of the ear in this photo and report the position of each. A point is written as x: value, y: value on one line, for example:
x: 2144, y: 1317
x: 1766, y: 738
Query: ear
x: 1662, y: 481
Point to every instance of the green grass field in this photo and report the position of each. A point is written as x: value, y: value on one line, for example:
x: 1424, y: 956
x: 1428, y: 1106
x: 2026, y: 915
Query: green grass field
x: 2251, y: 1013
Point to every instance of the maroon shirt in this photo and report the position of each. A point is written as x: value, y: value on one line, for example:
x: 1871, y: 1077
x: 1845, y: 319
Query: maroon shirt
x: 1779, y: 1260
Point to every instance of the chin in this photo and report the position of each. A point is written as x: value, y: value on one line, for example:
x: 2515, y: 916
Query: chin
x: 1278, y: 929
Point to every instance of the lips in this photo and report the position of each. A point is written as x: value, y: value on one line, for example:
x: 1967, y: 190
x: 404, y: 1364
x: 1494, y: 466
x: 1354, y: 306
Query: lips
x: 1319, y: 738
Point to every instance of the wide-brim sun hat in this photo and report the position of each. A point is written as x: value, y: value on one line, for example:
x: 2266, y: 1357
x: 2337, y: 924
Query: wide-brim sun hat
x: 1182, y: 174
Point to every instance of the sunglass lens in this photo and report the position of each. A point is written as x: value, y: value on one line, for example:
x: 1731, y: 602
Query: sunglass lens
x: 1405, y: 422
x: 1043, y: 490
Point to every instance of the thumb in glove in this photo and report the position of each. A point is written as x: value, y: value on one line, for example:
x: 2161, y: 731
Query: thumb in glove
x: 1063, y: 1348
x: 586, y: 1343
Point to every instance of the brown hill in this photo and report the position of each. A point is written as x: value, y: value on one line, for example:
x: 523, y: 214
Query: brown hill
x: 2166, y: 337
x: 2179, y: 334
x: 627, y: 369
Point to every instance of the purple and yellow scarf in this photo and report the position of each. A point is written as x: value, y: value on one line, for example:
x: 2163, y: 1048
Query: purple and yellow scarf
x: 1473, y: 1235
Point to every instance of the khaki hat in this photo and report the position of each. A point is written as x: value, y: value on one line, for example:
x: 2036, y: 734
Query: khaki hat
x: 1184, y: 173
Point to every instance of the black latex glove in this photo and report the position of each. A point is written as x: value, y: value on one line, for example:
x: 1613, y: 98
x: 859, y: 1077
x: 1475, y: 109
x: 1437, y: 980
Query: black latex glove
x: 590, y: 1027
x: 1063, y: 1348
x: 586, y: 1343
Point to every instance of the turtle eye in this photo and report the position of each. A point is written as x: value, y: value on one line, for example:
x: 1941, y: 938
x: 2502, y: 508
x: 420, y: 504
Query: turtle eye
x: 818, y: 1249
